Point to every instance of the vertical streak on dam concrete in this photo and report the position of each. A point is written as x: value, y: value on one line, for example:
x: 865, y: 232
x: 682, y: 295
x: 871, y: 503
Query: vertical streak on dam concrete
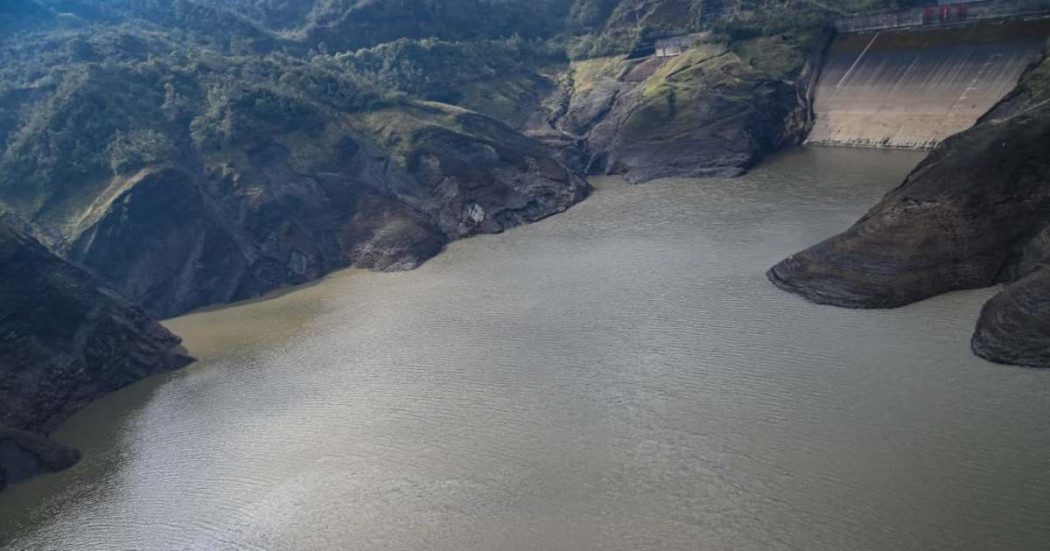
x: 913, y: 88
x: 857, y: 61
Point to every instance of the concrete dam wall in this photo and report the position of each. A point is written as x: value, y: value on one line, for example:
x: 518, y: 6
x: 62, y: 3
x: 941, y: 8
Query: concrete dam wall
x: 912, y: 88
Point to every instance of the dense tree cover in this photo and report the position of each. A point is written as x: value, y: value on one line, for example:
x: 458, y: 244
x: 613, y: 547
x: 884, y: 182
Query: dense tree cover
x: 351, y: 24
x: 90, y: 87
x: 330, y: 26
x: 630, y: 24
x: 438, y: 70
x: 77, y: 105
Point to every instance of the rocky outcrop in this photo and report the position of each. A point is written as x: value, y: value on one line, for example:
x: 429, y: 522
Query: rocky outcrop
x: 709, y: 112
x: 64, y: 341
x: 1014, y: 327
x: 974, y: 213
x: 190, y: 178
x: 957, y: 222
x: 385, y: 191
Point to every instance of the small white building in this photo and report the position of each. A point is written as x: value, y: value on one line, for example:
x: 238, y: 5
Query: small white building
x: 675, y: 45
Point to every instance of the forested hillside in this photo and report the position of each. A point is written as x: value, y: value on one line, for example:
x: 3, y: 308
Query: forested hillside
x: 267, y: 142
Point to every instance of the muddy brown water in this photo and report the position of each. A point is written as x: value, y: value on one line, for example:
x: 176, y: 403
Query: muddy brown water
x: 621, y: 376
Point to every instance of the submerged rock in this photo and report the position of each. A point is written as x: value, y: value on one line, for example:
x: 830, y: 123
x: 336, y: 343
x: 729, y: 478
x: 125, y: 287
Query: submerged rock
x: 24, y: 455
x: 974, y: 213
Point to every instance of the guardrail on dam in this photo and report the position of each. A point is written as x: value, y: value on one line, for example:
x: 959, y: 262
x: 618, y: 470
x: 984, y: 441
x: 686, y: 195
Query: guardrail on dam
x: 949, y: 14
x: 912, y: 88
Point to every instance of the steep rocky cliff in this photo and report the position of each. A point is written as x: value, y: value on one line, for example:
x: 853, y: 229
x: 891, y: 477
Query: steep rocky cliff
x: 64, y: 340
x: 974, y: 213
x: 715, y: 110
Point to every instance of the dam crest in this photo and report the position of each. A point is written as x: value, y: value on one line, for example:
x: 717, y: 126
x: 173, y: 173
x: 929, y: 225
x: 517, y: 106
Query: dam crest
x: 913, y: 86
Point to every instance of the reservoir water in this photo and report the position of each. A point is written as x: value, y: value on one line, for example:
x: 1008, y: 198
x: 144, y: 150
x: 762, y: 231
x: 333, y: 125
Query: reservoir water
x: 618, y: 377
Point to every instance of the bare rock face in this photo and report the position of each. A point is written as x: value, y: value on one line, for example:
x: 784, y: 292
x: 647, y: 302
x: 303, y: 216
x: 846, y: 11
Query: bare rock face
x: 956, y: 222
x: 385, y: 192
x: 185, y: 176
x: 1014, y: 327
x: 64, y: 341
x: 972, y: 214
x: 712, y: 111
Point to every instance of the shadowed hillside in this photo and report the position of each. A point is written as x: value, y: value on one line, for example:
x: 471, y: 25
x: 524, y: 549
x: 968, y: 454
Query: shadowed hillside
x: 66, y: 340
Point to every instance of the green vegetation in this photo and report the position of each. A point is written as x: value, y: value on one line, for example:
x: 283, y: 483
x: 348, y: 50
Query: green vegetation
x: 497, y: 77
x: 91, y: 89
x: 616, y: 41
x: 586, y: 74
x: 632, y: 24
x: 79, y: 107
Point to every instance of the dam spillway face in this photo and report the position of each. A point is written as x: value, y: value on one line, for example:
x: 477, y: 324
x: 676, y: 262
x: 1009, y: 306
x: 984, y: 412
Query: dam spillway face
x: 912, y: 88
